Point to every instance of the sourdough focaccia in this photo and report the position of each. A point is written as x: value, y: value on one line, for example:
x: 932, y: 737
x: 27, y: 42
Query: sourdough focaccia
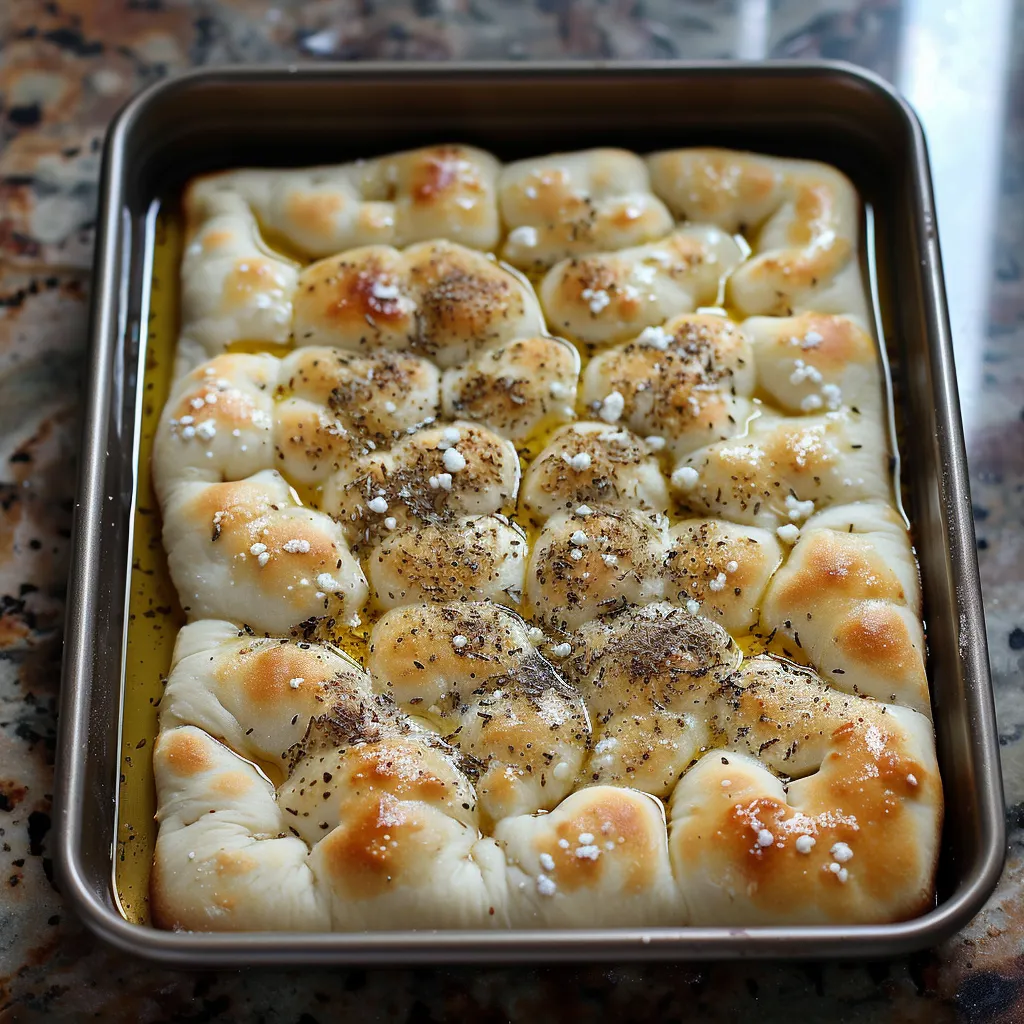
x: 541, y: 558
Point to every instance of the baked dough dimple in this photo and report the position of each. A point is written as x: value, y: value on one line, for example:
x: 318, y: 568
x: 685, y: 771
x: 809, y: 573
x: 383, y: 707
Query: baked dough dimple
x: 435, y: 299
x: 812, y: 362
x: 473, y: 673
x: 475, y: 558
x: 593, y: 464
x: 849, y: 595
x: 395, y: 200
x: 687, y: 383
x: 217, y: 423
x: 853, y: 839
x: 334, y: 406
x: 518, y: 389
x: 582, y: 566
x: 567, y: 204
x: 399, y: 847
x: 434, y: 475
x: 802, y: 217
x: 722, y: 568
x: 646, y: 675
x: 599, y: 859
x: 784, y: 469
x: 609, y: 297
x: 248, y: 551
x: 224, y: 860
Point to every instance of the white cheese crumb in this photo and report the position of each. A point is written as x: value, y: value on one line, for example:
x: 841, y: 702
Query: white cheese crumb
x: 788, y: 534
x: 378, y: 505
x: 547, y: 862
x: 693, y: 607
x: 654, y: 442
x: 841, y: 852
x: 588, y: 852
x: 597, y: 298
x: 580, y: 461
x: 833, y: 396
x: 453, y: 460
x: 804, y: 844
x: 912, y: 780
x: 257, y: 549
x: 685, y: 478
x: 327, y: 583
x: 718, y: 583
x: 524, y: 235
x: 612, y: 407
x: 731, y: 566
x: 561, y: 650
x: 765, y: 838
x: 295, y: 547
x: 584, y: 510
x: 545, y: 886
x: 579, y: 538
x: 459, y: 641
x: 655, y: 337
x: 296, y: 682
x: 390, y: 523
x: 798, y: 509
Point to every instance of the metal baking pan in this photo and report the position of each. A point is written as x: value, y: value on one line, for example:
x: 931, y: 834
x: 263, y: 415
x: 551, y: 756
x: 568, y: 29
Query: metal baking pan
x: 319, y: 114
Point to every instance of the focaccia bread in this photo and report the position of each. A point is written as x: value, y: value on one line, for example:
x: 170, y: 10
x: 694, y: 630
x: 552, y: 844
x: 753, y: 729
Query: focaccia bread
x: 572, y: 600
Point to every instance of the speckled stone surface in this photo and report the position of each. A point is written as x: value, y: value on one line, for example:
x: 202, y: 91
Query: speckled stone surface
x: 66, y: 67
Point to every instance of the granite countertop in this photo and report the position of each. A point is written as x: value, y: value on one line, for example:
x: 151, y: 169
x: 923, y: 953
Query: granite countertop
x: 66, y: 67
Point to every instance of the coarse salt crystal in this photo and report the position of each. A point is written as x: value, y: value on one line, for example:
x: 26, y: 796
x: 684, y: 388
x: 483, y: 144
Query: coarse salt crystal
x: 562, y: 650
x: 833, y: 395
x: 654, y: 442
x: 692, y: 606
x: 384, y: 291
x: 726, y: 782
x: 327, y: 583
x: 584, y: 510
x: 198, y: 403
x: 612, y: 407
x: 765, y: 838
x: 390, y: 523
x: 296, y: 682
x: 731, y: 566
x: 576, y: 554
x: 811, y: 340
x: 718, y: 583
x: 558, y: 389
x: 597, y: 298
x: 588, y: 852
x: 788, y: 534
x: 295, y: 547
x: 547, y: 862
x: 811, y: 402
x: 610, y: 560
x: 841, y: 852
x: 798, y: 509
x: 536, y: 635
x: 804, y: 844
x: 207, y: 430
x: 459, y: 641
x: 390, y: 407
x: 585, y: 838
x: 912, y: 780
x: 257, y: 549
x: 378, y: 505
x: 603, y: 746
x: 579, y: 462
x: 191, y: 854
x: 444, y: 481
x: 685, y: 478
x: 263, y: 558
x: 579, y: 538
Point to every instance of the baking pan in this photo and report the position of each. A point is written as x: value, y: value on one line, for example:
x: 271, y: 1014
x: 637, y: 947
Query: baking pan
x: 319, y: 114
